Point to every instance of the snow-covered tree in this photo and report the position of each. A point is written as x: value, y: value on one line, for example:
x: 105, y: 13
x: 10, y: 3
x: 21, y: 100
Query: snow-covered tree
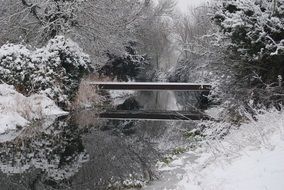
x: 97, y: 25
x: 255, y: 30
x: 36, y: 22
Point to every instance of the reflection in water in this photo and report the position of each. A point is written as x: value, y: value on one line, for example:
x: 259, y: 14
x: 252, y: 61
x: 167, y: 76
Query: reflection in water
x: 80, y: 152
x: 51, y: 153
x: 158, y: 100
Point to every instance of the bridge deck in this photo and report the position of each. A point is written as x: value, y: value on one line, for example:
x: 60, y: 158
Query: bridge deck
x: 153, y: 115
x: 151, y: 86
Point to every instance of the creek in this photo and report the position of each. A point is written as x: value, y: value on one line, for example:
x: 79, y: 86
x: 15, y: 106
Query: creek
x: 82, y: 152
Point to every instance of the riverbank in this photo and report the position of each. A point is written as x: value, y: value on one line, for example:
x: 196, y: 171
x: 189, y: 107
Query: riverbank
x: 250, y: 157
x: 17, y: 110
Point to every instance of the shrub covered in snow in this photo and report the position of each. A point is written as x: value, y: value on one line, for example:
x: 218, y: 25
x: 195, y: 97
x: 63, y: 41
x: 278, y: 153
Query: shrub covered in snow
x: 54, y: 70
x: 256, y: 31
x: 253, y: 34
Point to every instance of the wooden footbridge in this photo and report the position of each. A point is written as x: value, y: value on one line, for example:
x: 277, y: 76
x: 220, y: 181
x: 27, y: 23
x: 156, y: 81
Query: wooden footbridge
x: 152, y: 115
x: 152, y: 86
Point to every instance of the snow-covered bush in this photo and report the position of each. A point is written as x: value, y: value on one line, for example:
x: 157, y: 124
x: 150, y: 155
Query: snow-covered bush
x: 255, y: 27
x: 54, y: 70
x: 256, y: 32
x: 253, y: 34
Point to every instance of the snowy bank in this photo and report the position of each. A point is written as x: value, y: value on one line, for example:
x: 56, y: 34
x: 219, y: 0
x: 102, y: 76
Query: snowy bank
x: 16, y: 110
x: 251, y: 157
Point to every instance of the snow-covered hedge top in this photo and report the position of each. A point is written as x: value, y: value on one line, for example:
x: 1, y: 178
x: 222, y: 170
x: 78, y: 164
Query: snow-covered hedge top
x: 52, y: 49
x: 54, y: 70
x: 77, y: 57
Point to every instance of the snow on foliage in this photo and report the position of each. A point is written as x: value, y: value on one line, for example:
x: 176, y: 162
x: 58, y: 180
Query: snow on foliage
x: 256, y: 27
x: 253, y: 36
x: 54, y: 70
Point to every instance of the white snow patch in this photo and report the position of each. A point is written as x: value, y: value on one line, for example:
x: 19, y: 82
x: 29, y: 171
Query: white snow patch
x: 251, y: 157
x: 10, y: 121
x: 16, y: 110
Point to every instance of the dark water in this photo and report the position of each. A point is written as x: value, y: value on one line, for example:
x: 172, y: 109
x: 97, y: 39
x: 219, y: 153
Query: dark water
x: 81, y: 152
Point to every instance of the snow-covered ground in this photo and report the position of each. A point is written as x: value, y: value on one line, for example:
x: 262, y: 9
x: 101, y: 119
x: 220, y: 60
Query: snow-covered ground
x: 17, y: 111
x: 251, y: 157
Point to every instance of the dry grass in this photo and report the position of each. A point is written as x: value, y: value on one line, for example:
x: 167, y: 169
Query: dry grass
x: 87, y: 95
x: 29, y: 108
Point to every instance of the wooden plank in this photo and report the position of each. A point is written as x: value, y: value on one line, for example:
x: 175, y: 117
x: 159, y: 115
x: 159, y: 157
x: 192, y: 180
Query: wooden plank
x: 152, y: 86
x: 153, y: 115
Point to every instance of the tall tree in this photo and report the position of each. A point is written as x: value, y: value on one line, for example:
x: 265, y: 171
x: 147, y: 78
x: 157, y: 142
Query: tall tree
x: 97, y: 25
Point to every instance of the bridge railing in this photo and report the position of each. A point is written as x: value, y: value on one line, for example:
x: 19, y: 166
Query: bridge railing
x: 152, y: 86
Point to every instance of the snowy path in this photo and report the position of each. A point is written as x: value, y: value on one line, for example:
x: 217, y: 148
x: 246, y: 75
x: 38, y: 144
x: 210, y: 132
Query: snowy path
x: 249, y: 158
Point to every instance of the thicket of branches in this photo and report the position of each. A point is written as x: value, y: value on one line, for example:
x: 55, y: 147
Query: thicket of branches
x: 254, y: 31
x: 97, y: 25
x: 105, y: 29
